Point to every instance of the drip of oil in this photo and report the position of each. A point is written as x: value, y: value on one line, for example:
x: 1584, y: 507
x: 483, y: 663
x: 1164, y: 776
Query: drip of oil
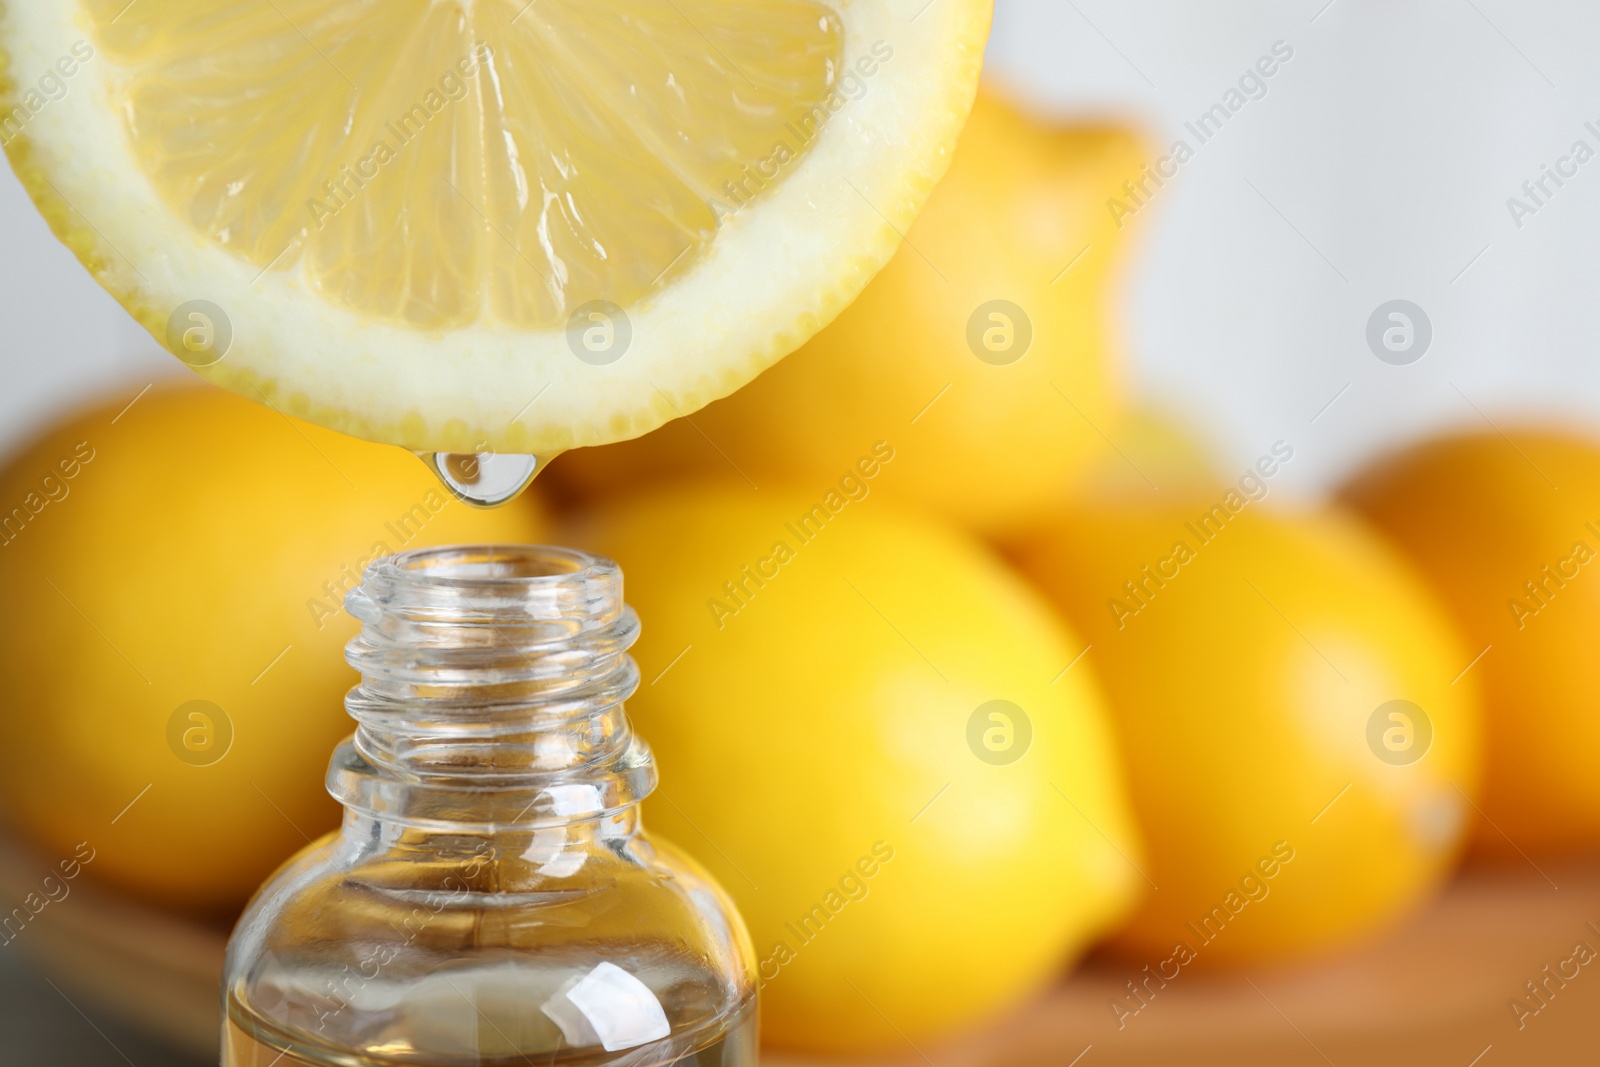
x: 484, y: 479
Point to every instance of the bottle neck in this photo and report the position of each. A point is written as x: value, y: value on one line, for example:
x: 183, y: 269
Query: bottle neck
x: 491, y: 699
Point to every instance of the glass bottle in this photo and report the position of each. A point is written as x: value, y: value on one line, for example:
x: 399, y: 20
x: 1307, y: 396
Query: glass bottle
x: 491, y: 897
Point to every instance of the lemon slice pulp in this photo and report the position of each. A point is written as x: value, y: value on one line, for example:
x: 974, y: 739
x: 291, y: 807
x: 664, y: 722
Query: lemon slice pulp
x: 474, y: 225
x: 463, y: 146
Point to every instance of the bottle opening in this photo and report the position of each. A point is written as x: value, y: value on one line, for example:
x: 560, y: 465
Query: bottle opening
x: 515, y: 596
x: 483, y: 563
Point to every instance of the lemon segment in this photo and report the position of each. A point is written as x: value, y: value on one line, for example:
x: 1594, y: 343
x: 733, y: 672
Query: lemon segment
x: 464, y: 150
x: 404, y: 210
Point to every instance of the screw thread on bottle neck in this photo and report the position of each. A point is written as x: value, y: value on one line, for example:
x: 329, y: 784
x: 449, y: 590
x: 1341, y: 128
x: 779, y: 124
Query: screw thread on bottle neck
x: 492, y: 687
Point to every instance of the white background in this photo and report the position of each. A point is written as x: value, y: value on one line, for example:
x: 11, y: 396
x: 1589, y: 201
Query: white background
x: 1376, y: 167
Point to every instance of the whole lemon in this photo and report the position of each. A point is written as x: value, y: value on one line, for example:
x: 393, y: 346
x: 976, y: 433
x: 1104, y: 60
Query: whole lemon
x: 1300, y: 756
x: 867, y: 729
x: 175, y: 565
x: 983, y: 352
x: 1508, y: 530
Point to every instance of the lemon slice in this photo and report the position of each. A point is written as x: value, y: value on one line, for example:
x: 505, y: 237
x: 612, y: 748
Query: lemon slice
x: 472, y: 225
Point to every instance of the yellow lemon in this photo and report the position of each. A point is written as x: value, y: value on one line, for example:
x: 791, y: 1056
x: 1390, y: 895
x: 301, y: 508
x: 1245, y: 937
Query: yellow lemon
x: 867, y: 729
x: 983, y: 352
x: 1508, y: 530
x: 1158, y: 454
x: 175, y: 564
x: 463, y: 225
x: 1300, y: 752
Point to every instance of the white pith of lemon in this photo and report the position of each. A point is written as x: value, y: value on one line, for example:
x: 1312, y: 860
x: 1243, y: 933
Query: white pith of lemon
x: 558, y: 152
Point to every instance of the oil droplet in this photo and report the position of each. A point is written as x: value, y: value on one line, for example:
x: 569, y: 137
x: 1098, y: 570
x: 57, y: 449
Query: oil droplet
x: 484, y: 479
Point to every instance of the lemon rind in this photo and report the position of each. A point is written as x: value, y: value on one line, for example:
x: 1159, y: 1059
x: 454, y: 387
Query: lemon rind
x: 475, y: 389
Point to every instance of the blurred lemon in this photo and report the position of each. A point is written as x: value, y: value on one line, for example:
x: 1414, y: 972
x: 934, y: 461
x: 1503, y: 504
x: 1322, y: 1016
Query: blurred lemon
x: 1158, y: 453
x: 983, y: 352
x: 865, y: 730
x: 1299, y: 758
x: 1508, y: 529
x: 175, y: 569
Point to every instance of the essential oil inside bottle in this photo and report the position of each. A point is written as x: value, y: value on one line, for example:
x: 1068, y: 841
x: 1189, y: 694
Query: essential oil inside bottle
x: 731, y: 1043
x: 492, y: 897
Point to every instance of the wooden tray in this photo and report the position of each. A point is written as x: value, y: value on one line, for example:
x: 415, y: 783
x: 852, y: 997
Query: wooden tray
x: 1437, y: 990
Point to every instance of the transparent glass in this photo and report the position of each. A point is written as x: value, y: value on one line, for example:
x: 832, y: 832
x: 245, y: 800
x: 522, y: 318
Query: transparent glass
x: 492, y: 897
